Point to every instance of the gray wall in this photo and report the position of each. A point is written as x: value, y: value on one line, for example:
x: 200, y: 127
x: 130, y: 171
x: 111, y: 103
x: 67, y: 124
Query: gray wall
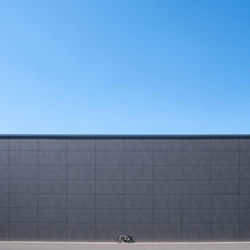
x: 153, y: 188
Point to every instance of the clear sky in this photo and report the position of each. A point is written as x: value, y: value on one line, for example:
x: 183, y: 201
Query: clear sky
x: 125, y: 66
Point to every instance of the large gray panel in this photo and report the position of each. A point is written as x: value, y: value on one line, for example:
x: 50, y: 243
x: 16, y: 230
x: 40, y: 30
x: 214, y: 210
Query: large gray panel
x: 24, y: 171
x: 4, y: 157
x: 167, y: 187
x: 4, y: 229
x: 224, y: 215
x: 81, y: 215
x: 225, y: 144
x: 138, y: 173
x: 196, y: 144
x: 4, y: 200
x: 225, y: 230
x: 167, y: 158
x: 81, y: 158
x: 111, y: 158
x: 109, y: 144
x: 108, y: 231
x: 51, y: 144
x: 138, y: 144
x: 196, y: 231
x: 225, y: 172
x: 245, y: 171
x: 167, y: 216
x: 52, y: 201
x: 245, y: 215
x: 109, y: 172
x: 4, y: 171
x: 167, y: 232
x: 138, y: 215
x: 52, y: 172
x: 138, y: 187
x: 109, y: 187
x: 23, y: 186
x: 225, y: 186
x: 23, y: 214
x: 167, y: 201
x: 4, y: 214
x: 140, y: 231
x: 196, y: 201
x: 81, y: 172
x: 83, y: 231
x: 81, y: 187
x: 23, y: 200
x: 196, y: 172
x: 244, y: 231
x: 196, y: 158
x: 4, y: 186
x: 27, y: 230
x: 225, y: 157
x: 52, y: 230
x: 22, y: 157
x: 245, y: 157
x: 244, y: 144
x: 52, y: 157
x: 4, y: 144
x: 196, y: 187
x: 23, y: 144
x: 138, y: 201
x: 52, y: 215
x: 245, y: 187
x: 225, y: 201
x: 52, y: 186
x: 109, y: 201
x: 166, y: 172
x: 79, y: 144
x: 245, y: 201
x: 196, y: 215
x: 109, y: 215
x: 81, y: 201
x: 170, y: 145
x: 133, y: 158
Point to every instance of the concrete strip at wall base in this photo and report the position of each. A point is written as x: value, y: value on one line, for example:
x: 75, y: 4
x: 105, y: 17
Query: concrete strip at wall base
x: 115, y: 246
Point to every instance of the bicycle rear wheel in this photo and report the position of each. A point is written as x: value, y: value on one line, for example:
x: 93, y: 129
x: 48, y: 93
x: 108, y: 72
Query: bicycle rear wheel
x: 119, y: 239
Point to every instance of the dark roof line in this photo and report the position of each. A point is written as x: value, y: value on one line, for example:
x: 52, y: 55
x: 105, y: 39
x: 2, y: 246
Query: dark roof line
x: 121, y: 136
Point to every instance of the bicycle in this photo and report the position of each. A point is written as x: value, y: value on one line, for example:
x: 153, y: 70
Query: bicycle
x: 124, y: 238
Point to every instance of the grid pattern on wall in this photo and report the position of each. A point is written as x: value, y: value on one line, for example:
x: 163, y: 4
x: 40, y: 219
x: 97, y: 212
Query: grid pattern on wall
x: 153, y: 188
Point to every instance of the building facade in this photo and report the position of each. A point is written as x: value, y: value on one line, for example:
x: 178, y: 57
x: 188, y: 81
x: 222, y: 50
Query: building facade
x: 154, y: 188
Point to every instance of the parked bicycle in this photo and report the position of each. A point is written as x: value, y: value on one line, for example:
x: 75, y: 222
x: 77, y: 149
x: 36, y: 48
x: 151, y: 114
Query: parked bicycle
x: 124, y: 238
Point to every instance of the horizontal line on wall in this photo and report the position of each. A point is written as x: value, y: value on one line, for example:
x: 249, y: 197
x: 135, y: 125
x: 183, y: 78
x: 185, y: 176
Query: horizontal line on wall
x: 51, y: 194
x: 67, y: 181
x: 130, y: 208
x: 130, y: 180
x: 128, y: 223
x: 138, y: 195
x: 41, y: 166
x: 125, y: 150
x: 125, y: 165
x: 147, y: 243
x: 136, y: 208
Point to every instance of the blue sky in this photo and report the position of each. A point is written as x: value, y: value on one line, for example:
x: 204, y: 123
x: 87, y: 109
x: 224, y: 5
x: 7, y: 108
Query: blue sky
x: 125, y: 67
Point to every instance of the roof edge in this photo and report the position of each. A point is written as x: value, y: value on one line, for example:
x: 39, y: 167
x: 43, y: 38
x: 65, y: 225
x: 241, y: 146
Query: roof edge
x: 122, y: 136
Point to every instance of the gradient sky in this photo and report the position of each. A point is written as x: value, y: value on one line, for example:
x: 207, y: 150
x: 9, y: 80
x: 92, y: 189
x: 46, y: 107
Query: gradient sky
x: 125, y: 67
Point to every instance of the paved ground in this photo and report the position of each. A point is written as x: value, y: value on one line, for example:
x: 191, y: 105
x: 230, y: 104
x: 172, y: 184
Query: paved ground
x: 114, y: 246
